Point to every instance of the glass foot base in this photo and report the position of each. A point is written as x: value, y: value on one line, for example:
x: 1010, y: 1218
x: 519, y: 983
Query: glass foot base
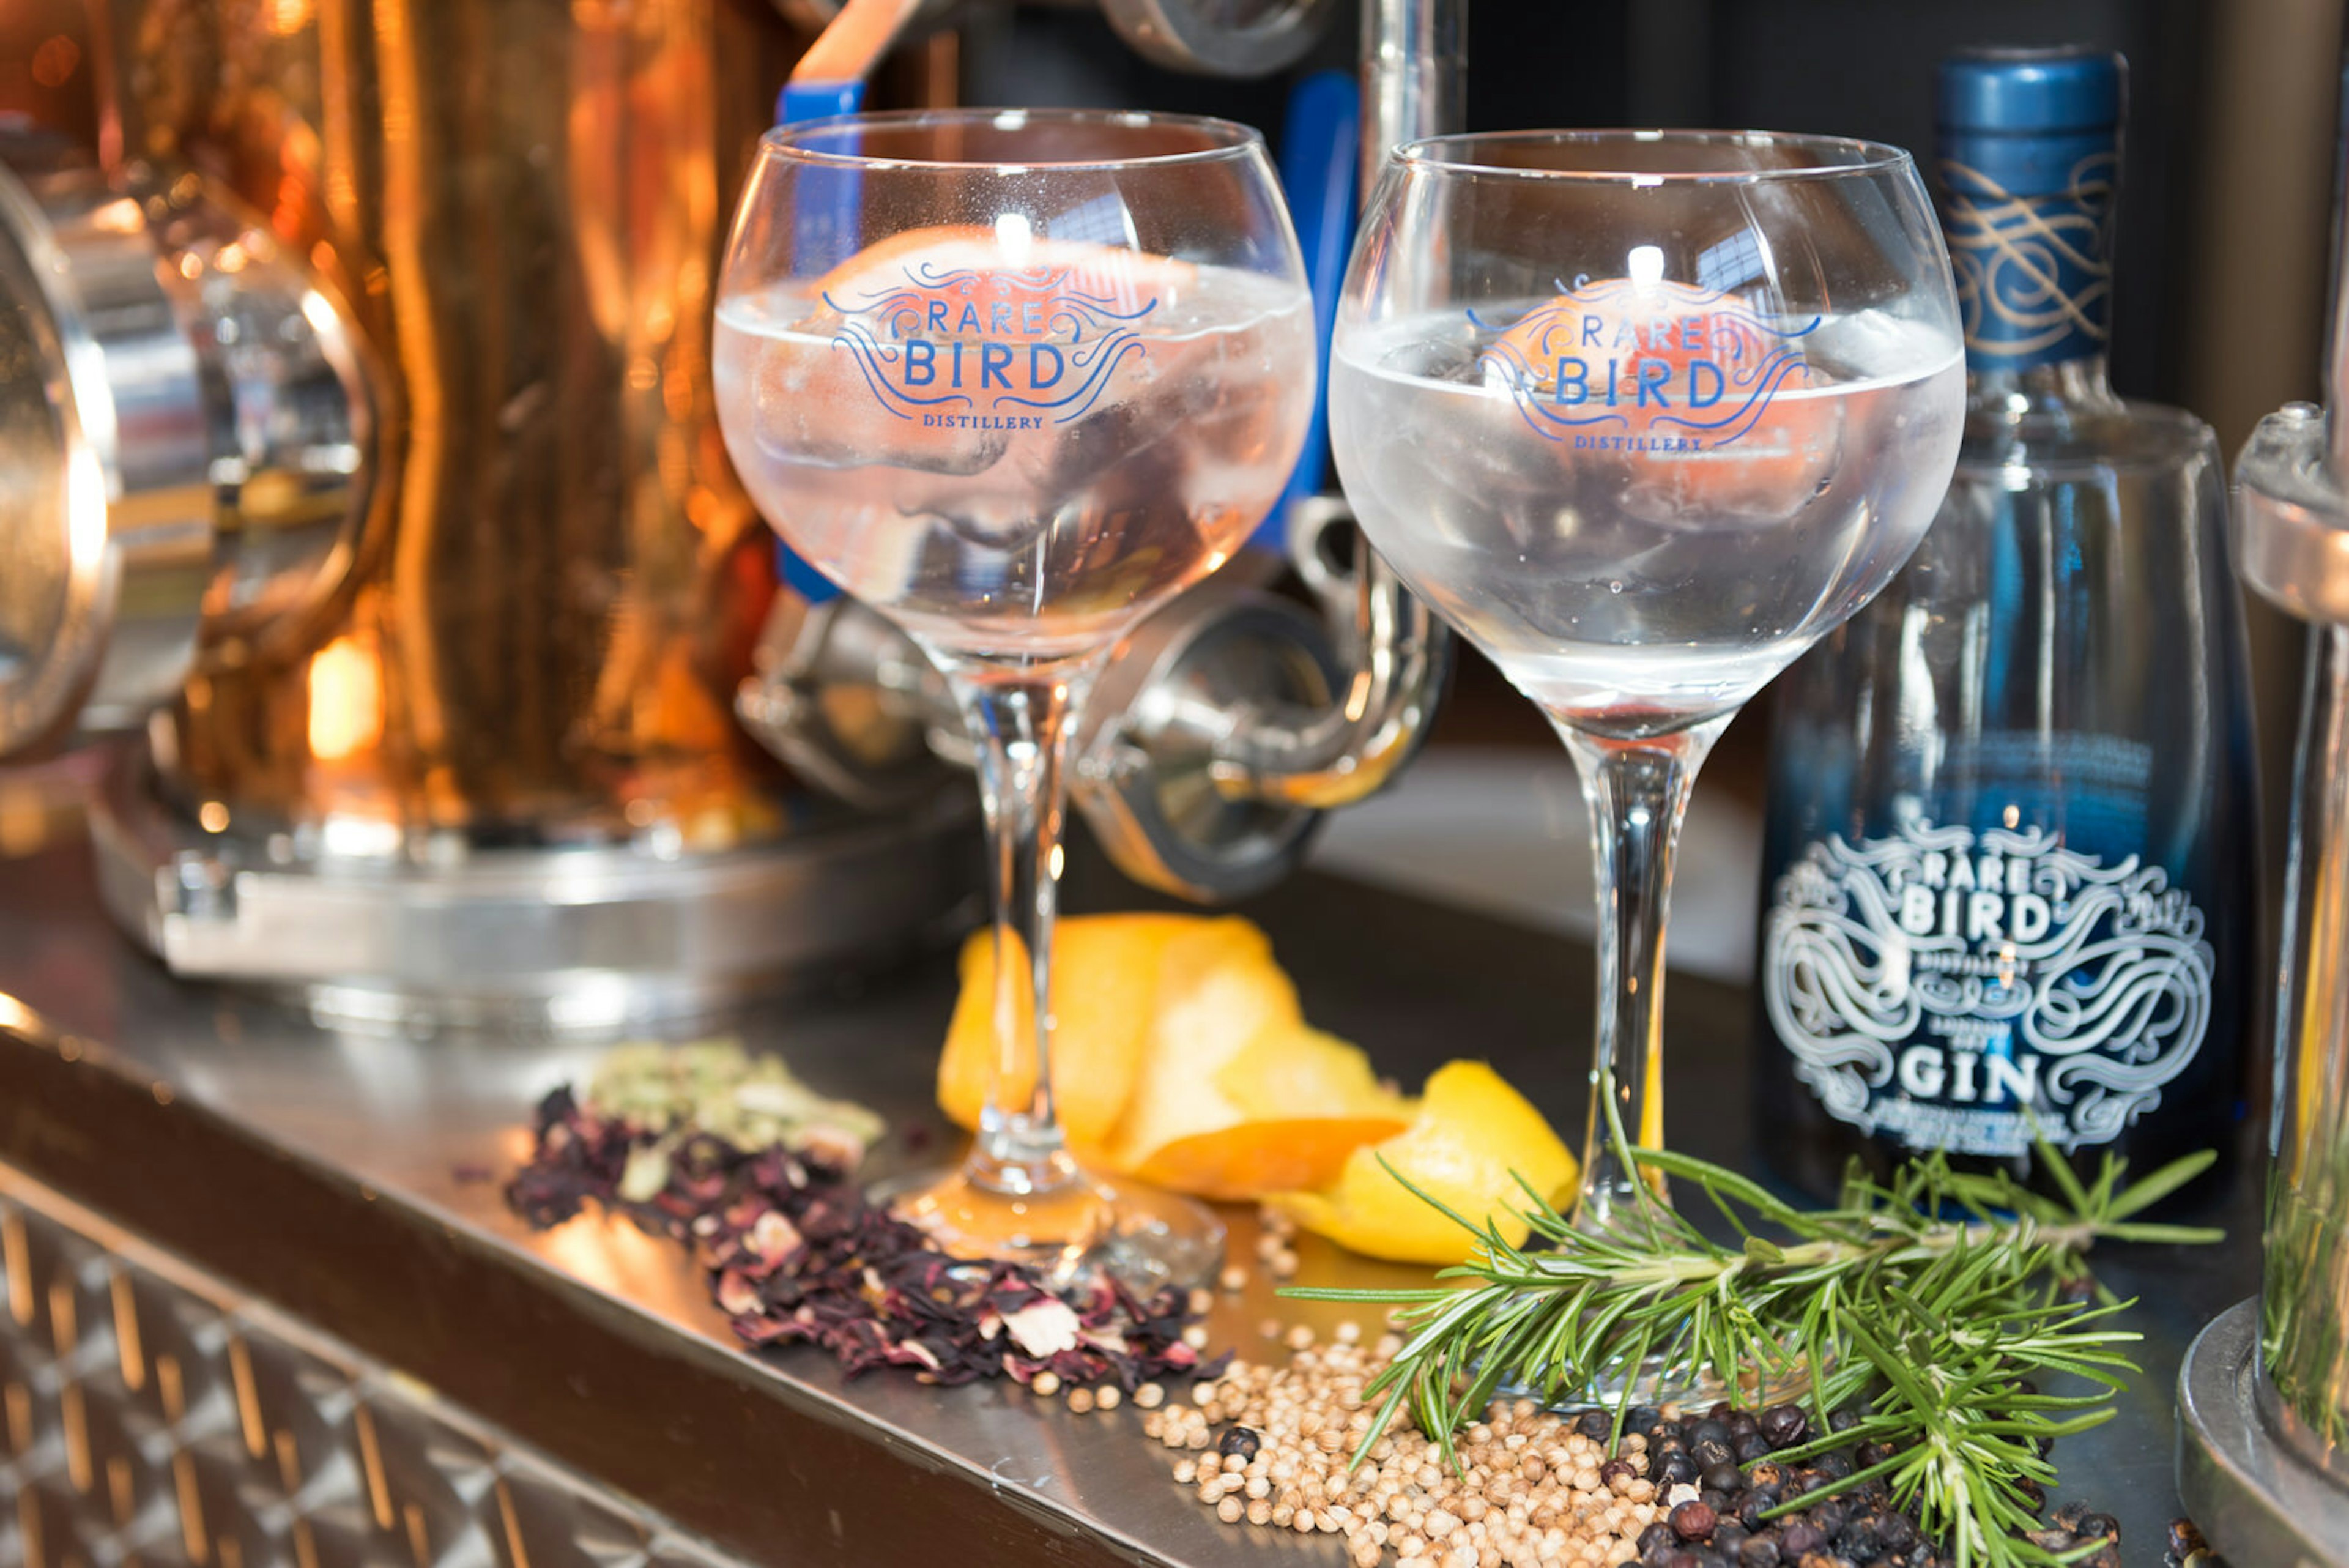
x: 1070, y: 1233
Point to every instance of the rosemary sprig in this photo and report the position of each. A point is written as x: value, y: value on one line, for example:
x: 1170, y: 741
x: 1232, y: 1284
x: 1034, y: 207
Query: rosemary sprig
x: 1935, y: 1297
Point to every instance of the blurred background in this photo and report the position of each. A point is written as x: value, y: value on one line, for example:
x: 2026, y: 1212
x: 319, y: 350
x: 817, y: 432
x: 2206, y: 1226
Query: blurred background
x: 2222, y: 256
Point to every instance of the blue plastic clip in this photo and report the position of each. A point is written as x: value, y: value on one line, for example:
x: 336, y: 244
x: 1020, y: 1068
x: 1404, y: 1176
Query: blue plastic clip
x: 1321, y: 144
x: 823, y: 231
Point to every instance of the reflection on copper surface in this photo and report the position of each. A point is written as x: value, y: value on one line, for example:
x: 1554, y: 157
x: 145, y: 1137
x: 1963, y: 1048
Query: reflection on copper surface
x: 560, y: 581
x: 46, y: 65
x: 346, y: 698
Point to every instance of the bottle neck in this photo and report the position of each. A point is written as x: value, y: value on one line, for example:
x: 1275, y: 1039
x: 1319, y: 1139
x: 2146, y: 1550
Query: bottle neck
x: 2029, y: 224
x: 2004, y: 389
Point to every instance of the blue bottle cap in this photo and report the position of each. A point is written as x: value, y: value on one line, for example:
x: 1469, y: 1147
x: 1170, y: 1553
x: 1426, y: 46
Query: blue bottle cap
x: 2027, y: 121
x: 2030, y: 92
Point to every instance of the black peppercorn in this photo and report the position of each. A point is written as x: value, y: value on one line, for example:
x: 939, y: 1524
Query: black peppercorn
x: 1238, y: 1442
x: 1693, y: 1520
x: 1784, y: 1426
x: 1798, y: 1538
x: 1707, y: 1430
x: 1672, y: 1469
x: 1723, y: 1478
x: 1755, y: 1503
x: 1743, y: 1424
x: 1727, y: 1537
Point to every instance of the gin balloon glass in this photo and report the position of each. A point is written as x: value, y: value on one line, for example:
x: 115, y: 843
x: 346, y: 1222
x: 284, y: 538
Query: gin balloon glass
x: 1016, y: 379
x: 1645, y: 414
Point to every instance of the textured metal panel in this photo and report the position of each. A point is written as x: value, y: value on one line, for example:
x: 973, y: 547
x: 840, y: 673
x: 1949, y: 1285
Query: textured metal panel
x: 152, y: 1415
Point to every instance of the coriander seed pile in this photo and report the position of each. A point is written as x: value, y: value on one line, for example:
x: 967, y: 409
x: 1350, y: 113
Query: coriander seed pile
x: 1535, y: 1490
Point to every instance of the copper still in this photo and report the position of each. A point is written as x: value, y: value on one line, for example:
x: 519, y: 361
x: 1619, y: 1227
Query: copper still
x: 445, y: 585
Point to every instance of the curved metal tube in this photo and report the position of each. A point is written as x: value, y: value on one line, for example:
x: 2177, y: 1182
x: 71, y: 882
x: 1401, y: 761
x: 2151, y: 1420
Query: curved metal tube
x: 1414, y: 70
x: 1400, y: 654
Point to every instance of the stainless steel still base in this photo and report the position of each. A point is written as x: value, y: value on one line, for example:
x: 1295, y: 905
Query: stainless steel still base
x: 344, y: 1178
x: 2257, y: 1498
x: 587, y: 938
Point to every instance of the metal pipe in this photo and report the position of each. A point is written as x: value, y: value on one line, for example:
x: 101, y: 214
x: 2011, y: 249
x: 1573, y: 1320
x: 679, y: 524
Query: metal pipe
x: 1414, y: 75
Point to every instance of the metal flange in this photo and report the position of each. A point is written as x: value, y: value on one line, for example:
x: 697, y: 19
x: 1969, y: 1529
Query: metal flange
x: 2255, y: 1495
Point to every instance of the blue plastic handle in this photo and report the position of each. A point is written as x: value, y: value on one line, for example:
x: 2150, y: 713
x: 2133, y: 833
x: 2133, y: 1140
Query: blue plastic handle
x: 1320, y: 153
x: 822, y: 232
x: 817, y: 100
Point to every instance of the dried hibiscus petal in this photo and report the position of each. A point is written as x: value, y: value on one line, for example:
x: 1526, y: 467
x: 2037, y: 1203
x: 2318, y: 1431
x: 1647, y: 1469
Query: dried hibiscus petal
x: 792, y: 1253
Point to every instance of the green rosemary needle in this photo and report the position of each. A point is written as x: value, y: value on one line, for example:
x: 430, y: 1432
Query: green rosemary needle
x: 1934, y: 1297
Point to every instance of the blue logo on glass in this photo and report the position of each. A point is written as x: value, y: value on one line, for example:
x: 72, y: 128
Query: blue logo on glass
x: 1672, y: 367
x: 967, y: 349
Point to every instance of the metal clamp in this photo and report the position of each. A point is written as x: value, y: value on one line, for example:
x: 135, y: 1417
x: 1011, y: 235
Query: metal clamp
x: 189, y: 420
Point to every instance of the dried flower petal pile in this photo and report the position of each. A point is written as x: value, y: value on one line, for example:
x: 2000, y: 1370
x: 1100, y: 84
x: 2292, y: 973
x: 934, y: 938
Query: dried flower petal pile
x: 794, y: 1255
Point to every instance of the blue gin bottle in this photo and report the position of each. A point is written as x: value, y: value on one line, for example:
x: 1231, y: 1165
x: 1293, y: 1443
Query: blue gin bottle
x: 2009, y: 891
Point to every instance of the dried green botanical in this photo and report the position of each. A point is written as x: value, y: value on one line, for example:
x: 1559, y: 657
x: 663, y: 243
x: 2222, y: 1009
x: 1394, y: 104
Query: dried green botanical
x: 715, y: 1086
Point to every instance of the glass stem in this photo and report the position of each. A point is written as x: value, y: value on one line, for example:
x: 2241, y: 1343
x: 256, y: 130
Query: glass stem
x: 1638, y: 791
x: 1019, y: 720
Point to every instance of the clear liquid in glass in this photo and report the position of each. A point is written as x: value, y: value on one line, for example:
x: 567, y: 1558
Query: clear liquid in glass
x: 1005, y: 474
x: 1637, y: 573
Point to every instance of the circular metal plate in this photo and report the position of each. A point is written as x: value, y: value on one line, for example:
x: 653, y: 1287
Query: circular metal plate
x: 2255, y: 1497
x: 105, y: 497
x: 52, y: 507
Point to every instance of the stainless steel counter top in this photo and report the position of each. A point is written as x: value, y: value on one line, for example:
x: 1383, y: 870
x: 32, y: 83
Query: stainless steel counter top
x: 329, y: 1172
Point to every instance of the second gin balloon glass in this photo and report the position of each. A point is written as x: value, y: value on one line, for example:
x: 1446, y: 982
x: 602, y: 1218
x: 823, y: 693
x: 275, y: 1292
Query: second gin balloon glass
x: 1015, y: 379
x: 1644, y: 414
